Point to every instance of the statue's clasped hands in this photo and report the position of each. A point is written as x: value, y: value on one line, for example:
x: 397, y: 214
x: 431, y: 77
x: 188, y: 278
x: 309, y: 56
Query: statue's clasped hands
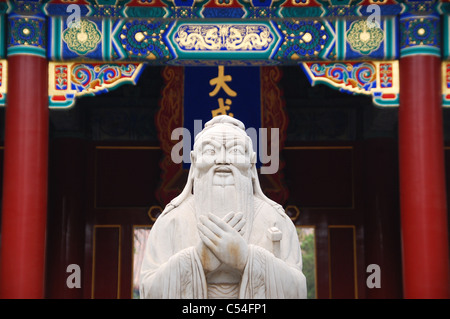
x: 222, y: 241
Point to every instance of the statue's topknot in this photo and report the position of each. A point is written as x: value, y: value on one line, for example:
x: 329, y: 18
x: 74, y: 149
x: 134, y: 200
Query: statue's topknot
x: 225, y: 119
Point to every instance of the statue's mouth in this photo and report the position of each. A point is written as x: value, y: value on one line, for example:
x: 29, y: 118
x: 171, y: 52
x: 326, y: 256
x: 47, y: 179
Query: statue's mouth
x: 225, y: 175
x: 222, y: 169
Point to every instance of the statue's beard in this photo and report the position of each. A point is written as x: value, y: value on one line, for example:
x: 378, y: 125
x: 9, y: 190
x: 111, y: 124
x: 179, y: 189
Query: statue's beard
x: 221, y: 193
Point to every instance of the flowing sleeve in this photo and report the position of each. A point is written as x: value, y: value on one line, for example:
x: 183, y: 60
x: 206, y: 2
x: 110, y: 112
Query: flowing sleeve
x: 269, y: 277
x: 171, y: 271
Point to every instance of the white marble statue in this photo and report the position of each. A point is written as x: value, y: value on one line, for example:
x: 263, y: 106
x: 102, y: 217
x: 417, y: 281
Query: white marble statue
x: 222, y: 237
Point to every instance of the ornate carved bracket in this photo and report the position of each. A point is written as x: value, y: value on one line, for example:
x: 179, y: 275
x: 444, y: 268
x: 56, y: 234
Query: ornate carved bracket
x: 73, y: 79
x: 378, y: 79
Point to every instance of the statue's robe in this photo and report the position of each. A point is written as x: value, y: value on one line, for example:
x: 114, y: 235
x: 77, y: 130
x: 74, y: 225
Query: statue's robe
x: 172, y: 267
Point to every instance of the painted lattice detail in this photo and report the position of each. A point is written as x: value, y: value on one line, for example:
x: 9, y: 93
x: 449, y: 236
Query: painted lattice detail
x: 70, y: 80
x: 386, y: 76
x: 61, y: 77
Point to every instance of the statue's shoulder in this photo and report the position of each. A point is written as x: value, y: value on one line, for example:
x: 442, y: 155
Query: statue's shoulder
x: 272, y: 210
x: 184, y: 211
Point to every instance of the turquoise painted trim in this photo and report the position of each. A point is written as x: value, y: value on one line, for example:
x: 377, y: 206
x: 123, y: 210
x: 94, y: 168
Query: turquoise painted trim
x: 26, y: 50
x: 386, y: 103
x: 2, y: 36
x: 446, y: 40
x: 341, y: 39
x: 3, y: 100
x: 277, y: 45
x: 60, y: 105
x: 390, y: 39
x: 55, y: 40
x: 106, y: 39
x: 116, y: 39
x: 420, y: 50
x: 325, y: 53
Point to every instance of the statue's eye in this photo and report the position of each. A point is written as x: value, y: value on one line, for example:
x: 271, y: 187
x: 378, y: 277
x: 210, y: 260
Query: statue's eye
x: 237, y: 150
x: 209, y: 151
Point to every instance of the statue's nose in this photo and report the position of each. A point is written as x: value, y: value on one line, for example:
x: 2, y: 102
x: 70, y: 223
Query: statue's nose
x: 222, y: 157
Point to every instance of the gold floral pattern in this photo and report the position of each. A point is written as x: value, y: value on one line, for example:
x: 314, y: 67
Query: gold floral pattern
x: 83, y: 37
x: 364, y: 37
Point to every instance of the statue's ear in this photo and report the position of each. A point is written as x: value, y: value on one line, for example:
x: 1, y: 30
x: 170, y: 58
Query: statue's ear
x: 192, y: 157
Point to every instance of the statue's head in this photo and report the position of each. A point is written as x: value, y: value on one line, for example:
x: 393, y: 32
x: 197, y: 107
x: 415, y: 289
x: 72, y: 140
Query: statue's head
x: 222, y: 161
x: 223, y: 175
x: 223, y: 149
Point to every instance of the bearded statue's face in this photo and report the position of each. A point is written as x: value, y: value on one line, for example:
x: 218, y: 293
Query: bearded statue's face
x: 226, y: 152
x: 222, y: 160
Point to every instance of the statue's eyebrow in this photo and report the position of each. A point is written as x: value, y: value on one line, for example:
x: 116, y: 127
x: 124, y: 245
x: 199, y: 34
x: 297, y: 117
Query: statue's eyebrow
x: 236, y: 142
x: 211, y: 141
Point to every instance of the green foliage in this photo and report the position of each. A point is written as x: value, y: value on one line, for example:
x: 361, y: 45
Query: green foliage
x: 309, y: 263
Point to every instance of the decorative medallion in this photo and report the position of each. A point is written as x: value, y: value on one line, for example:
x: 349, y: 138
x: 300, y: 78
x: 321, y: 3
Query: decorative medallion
x: 26, y: 35
x: 364, y: 37
x: 26, y: 32
x: 422, y: 32
x: 82, y: 38
x: 420, y: 35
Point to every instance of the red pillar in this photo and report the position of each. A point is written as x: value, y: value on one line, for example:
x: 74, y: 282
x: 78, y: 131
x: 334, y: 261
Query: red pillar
x: 25, y: 179
x: 422, y: 179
